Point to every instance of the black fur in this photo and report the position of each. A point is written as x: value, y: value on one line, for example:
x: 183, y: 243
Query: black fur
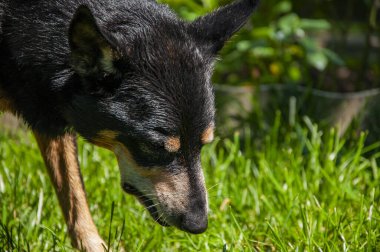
x: 161, y: 86
x: 130, y: 66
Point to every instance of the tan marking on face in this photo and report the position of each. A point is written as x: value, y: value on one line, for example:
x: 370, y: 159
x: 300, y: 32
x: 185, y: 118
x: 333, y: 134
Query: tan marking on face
x: 165, y: 182
x: 106, y: 139
x: 172, y: 190
x: 5, y: 103
x: 173, y: 144
x: 149, y: 173
x: 141, y: 171
x: 169, y: 191
x: 162, y: 180
x: 208, y: 135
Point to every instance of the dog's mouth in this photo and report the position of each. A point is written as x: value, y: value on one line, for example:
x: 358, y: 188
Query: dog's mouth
x: 146, y: 202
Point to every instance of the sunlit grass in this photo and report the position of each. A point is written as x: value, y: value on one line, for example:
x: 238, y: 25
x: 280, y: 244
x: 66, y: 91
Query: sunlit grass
x: 307, y: 190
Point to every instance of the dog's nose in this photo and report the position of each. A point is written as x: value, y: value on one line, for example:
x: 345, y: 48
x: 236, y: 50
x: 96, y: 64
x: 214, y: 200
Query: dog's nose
x: 194, y: 223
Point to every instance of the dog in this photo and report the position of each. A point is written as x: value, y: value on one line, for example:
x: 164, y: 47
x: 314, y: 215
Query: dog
x: 129, y: 76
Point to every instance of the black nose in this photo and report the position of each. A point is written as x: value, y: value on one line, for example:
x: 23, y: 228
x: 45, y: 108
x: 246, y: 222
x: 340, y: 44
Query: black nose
x: 195, y: 223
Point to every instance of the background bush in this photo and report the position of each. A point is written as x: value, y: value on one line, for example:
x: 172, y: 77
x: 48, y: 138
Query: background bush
x: 332, y: 45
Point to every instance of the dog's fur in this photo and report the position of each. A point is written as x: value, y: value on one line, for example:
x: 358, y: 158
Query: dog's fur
x: 128, y: 76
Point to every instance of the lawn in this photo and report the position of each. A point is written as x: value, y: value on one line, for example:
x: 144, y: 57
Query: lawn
x: 303, y: 190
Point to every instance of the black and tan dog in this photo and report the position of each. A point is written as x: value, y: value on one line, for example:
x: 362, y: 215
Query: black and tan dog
x: 128, y: 76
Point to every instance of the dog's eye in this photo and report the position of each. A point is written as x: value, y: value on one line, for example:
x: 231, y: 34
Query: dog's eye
x: 155, y: 155
x: 153, y: 149
x: 147, y: 148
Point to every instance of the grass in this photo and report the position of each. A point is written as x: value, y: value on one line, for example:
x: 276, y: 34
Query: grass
x: 306, y: 190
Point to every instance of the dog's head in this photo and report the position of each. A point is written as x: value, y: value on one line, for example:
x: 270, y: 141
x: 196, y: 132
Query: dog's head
x: 146, y: 95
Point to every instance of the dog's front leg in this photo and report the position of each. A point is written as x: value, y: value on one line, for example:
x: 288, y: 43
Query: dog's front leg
x: 60, y: 156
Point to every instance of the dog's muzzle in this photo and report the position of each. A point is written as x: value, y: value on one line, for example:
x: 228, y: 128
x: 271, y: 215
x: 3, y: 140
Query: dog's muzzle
x: 146, y: 202
x: 194, y: 220
x: 195, y: 223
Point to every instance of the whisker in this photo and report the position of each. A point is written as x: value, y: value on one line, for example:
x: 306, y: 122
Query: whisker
x: 211, y: 187
x: 159, y: 218
x: 151, y: 206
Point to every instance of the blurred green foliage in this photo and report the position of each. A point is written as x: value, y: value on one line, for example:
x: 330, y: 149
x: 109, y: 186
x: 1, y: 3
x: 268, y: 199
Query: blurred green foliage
x: 321, y: 43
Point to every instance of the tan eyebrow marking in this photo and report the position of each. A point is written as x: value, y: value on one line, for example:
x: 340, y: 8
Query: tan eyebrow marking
x: 208, y: 135
x: 173, y: 144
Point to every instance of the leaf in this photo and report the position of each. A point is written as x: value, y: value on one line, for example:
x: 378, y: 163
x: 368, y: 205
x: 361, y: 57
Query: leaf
x: 263, y: 32
x: 282, y: 7
x: 289, y: 23
x: 318, y: 60
x: 294, y: 72
x: 315, y: 24
x: 334, y: 57
x: 263, y: 52
x: 276, y: 68
x: 309, y: 44
x: 243, y: 45
x: 210, y: 4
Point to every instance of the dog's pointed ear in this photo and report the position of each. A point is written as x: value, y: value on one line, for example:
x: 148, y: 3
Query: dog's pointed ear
x: 91, y: 53
x: 217, y: 27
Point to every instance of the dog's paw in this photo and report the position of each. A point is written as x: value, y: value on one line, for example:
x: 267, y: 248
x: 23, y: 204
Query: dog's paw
x: 93, y: 244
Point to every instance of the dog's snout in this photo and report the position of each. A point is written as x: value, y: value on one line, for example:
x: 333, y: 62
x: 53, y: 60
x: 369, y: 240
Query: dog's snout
x: 195, y: 220
x: 195, y: 223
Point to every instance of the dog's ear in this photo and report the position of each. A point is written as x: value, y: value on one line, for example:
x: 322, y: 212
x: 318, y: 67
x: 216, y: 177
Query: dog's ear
x: 217, y: 27
x: 91, y: 53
